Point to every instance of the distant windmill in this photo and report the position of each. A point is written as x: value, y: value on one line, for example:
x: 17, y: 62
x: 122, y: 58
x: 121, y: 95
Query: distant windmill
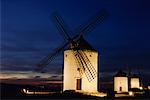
x: 80, y: 59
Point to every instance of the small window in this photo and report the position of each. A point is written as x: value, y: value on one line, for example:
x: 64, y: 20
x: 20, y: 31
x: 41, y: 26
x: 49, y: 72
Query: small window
x: 66, y: 55
x: 78, y: 69
x: 90, y: 55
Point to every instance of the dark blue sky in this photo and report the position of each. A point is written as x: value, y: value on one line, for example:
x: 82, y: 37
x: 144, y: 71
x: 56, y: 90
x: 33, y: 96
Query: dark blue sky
x: 28, y: 33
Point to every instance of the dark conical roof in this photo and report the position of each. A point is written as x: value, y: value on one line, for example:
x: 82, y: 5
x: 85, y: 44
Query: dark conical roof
x: 120, y: 74
x: 82, y: 44
x: 135, y: 76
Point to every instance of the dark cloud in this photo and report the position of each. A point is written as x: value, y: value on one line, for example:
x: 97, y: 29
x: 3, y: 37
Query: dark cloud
x: 54, y: 77
x: 37, y: 77
x: 11, y: 67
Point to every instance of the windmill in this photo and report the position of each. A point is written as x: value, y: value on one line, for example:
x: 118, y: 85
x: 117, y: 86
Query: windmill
x: 80, y: 59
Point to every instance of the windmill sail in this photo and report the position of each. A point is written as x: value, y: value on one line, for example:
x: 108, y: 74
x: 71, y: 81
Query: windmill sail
x: 85, y: 65
x: 64, y: 30
x: 78, y: 44
x: 82, y: 60
x: 85, y: 57
x: 89, y: 69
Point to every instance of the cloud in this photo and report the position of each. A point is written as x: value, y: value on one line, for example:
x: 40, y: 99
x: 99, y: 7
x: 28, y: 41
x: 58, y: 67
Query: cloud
x: 28, y: 75
x: 37, y: 77
x: 56, y: 77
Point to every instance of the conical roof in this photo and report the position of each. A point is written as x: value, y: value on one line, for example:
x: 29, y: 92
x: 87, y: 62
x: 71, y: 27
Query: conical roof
x: 82, y: 44
x: 121, y: 74
x: 135, y: 76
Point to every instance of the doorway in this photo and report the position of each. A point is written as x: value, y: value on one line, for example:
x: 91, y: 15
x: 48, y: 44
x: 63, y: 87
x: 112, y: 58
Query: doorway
x: 120, y: 88
x: 78, y: 85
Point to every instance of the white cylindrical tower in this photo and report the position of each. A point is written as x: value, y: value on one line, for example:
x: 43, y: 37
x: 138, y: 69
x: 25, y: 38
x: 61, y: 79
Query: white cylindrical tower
x: 74, y: 79
x: 121, y: 82
x: 135, y: 81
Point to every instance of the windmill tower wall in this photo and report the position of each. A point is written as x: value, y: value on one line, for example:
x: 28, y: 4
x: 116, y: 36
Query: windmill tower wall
x: 135, y: 83
x: 120, y: 84
x: 71, y: 73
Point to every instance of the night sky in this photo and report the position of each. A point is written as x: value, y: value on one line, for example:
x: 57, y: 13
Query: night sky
x: 28, y: 34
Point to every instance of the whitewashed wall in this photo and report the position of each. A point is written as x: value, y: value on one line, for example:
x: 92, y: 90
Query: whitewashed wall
x: 135, y: 83
x: 121, y: 82
x: 71, y: 73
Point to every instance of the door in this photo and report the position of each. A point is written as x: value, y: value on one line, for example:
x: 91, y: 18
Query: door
x: 78, y: 85
x: 120, y: 88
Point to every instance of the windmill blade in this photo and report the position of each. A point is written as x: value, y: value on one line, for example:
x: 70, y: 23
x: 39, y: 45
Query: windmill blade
x: 61, y: 26
x: 85, y: 64
x: 90, y: 66
x: 44, y: 62
x: 51, y: 56
x: 78, y: 61
x: 97, y: 19
x: 89, y: 69
x: 82, y: 65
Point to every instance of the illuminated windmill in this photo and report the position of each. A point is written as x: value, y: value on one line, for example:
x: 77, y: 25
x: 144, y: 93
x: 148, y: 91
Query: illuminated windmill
x: 81, y: 67
x: 135, y: 81
x: 121, y: 82
x: 80, y: 59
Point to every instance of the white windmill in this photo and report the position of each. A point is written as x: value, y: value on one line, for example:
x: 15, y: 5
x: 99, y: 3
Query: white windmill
x: 121, y: 82
x: 81, y: 68
x: 80, y: 59
x: 135, y: 81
